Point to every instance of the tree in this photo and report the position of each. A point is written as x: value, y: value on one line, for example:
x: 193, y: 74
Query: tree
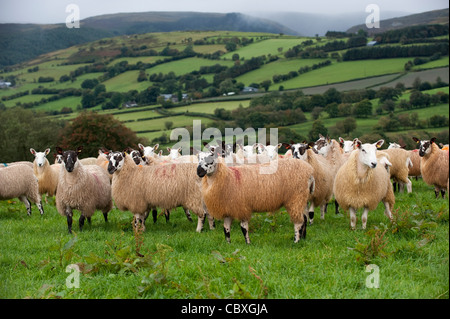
x: 346, y: 126
x: 94, y: 131
x: 21, y: 129
x: 168, y: 125
x: 266, y: 84
x: 317, y: 128
x: 89, y: 83
x: 362, y: 109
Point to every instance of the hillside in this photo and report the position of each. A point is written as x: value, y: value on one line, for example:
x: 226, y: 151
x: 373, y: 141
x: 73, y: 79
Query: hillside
x: 22, y: 42
x: 310, y: 24
x: 429, y: 17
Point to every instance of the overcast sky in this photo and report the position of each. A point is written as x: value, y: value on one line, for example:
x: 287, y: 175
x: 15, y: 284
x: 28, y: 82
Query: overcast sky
x: 54, y: 11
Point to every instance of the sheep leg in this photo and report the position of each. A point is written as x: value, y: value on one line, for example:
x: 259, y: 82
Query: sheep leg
x: 364, y: 217
x: 41, y: 209
x: 212, y: 222
x: 323, y: 210
x: 167, y: 214
x: 311, y: 213
x: 409, y: 186
x: 244, y: 228
x: 443, y: 193
x: 436, y: 193
x: 27, y: 203
x: 336, y: 206
x: 188, y: 214
x: 105, y: 216
x: 352, y: 218
x: 69, y: 215
x: 200, y: 223
x: 155, y: 214
x: 387, y: 210
x: 300, y: 229
x: 81, y: 221
x: 227, y: 228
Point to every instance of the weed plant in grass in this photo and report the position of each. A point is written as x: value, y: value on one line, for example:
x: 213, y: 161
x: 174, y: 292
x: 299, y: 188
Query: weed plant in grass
x: 171, y: 260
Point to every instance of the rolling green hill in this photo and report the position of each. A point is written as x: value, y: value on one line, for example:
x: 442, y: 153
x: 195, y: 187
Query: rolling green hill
x: 141, y: 67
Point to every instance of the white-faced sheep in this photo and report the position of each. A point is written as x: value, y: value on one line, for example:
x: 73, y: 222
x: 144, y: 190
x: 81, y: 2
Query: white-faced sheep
x: 434, y: 165
x: 141, y: 188
x: 148, y: 151
x: 82, y: 187
x: 347, y: 146
x: 47, y: 175
x: 236, y: 192
x: 19, y: 181
x: 323, y: 177
x: 363, y: 181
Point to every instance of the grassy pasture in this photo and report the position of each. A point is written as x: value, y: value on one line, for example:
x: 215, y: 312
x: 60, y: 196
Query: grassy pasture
x: 345, y: 71
x: 182, y: 264
x: 184, y: 66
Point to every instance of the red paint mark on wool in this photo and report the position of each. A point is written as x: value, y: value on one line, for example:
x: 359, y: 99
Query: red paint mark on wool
x: 237, y: 173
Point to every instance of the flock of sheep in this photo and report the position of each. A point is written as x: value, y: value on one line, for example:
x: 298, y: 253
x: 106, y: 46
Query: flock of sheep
x: 228, y: 182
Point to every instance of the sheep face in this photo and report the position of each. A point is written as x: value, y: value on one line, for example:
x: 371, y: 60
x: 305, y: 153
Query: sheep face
x: 368, y: 152
x: 115, y: 162
x: 299, y: 150
x: 174, y: 153
x: 347, y: 146
x: 39, y: 157
x: 424, y: 146
x: 322, y: 145
x: 138, y: 157
x: 206, y: 163
x: 272, y: 150
x: 69, y: 158
x: 148, y: 150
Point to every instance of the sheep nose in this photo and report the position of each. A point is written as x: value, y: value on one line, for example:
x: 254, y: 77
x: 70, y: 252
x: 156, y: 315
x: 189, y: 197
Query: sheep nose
x: 373, y: 164
x: 200, y: 171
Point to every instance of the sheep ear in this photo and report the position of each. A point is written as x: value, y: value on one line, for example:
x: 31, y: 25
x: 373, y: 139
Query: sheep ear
x: 416, y: 140
x: 287, y: 146
x: 155, y: 147
x: 311, y: 144
x: 357, y: 143
x: 79, y: 149
x: 47, y: 151
x: 168, y: 149
x: 33, y: 151
x: 432, y: 140
x: 379, y: 143
x: 141, y: 146
x: 279, y: 145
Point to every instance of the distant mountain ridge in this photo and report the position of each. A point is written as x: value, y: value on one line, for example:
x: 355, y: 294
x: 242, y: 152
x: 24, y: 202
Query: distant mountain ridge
x: 22, y: 42
x: 429, y: 17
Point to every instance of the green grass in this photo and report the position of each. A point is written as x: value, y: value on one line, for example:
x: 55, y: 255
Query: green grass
x: 345, y: 71
x: 180, y: 263
x: 184, y: 66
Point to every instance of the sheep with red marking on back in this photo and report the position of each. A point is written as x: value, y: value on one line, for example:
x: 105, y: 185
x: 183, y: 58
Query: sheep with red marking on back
x: 19, y: 181
x: 434, y: 165
x: 236, y: 192
x: 363, y: 181
x: 86, y: 188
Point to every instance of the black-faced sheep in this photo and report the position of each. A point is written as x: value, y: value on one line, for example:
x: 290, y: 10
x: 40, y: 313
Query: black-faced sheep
x: 82, y: 187
x: 236, y: 192
x: 19, y: 181
x: 434, y: 165
x: 363, y: 181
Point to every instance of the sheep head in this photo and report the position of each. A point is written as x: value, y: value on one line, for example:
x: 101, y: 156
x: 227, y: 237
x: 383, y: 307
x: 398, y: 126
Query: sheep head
x: 424, y: 146
x: 39, y: 157
x: 207, y: 163
x: 368, y: 152
x: 116, y: 161
x: 69, y: 158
